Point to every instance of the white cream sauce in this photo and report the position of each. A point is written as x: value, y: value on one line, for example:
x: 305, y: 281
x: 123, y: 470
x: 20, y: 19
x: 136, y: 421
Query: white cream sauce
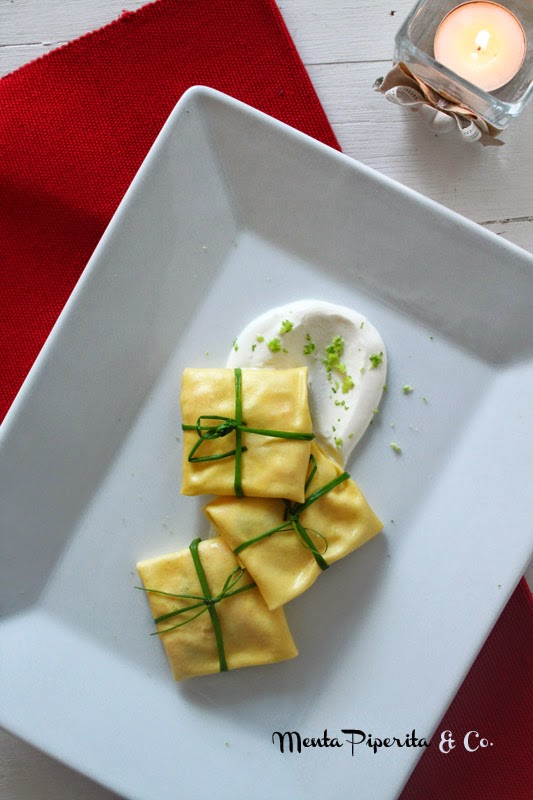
x: 344, y: 353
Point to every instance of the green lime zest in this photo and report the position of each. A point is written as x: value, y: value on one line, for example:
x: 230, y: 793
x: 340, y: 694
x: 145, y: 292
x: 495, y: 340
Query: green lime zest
x: 274, y: 345
x: 309, y: 346
x: 347, y: 384
x: 332, y: 361
x: 334, y: 352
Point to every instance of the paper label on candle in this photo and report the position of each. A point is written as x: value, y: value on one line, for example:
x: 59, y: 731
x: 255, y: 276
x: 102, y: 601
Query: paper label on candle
x: 401, y: 87
x: 404, y: 95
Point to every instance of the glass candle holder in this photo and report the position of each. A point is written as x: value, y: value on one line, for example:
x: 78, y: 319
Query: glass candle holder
x: 415, y: 47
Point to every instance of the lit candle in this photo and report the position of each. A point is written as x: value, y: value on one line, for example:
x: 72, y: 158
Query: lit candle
x: 482, y: 42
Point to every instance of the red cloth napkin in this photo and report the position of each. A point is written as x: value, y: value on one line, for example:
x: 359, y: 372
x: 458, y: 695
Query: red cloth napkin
x: 75, y: 127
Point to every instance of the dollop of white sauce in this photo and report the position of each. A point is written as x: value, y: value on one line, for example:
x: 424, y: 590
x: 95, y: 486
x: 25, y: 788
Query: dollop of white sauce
x: 344, y: 396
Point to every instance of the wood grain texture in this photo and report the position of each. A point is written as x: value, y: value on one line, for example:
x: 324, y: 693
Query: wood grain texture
x: 483, y: 183
x: 345, y: 47
x: 38, y: 21
x: 336, y: 31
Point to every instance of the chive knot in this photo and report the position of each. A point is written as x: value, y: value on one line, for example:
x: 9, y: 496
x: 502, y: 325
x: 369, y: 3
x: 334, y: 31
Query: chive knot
x: 226, y: 425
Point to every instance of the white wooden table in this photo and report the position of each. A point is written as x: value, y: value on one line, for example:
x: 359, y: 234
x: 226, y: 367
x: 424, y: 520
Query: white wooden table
x: 345, y: 47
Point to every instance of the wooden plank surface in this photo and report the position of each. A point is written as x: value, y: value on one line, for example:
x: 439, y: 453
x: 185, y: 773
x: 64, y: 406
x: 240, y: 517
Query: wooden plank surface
x: 345, y: 46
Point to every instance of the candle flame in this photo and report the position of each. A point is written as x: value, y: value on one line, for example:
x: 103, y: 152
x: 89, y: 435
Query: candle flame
x: 482, y: 40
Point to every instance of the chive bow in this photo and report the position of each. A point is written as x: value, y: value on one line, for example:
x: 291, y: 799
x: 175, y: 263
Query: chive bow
x: 205, y: 603
x: 227, y: 425
x: 291, y: 518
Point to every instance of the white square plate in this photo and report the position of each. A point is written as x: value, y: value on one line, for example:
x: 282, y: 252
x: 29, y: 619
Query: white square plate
x: 232, y: 213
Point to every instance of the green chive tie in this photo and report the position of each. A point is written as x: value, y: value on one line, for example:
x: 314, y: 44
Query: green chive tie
x: 291, y: 518
x: 205, y: 603
x: 226, y: 425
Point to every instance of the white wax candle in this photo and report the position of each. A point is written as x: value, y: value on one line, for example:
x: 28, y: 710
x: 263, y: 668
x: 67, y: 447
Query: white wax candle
x: 482, y: 42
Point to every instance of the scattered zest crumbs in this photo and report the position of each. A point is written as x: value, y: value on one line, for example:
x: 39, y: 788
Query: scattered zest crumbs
x: 274, y: 345
x: 341, y: 403
x: 309, y: 347
x: 396, y: 447
x: 376, y: 359
x: 338, y: 442
x: 347, y: 384
x: 286, y: 326
x: 407, y: 389
x: 260, y: 339
x: 333, y: 361
x: 235, y: 345
x: 334, y: 352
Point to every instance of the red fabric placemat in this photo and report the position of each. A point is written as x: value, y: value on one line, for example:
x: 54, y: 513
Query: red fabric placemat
x: 75, y: 127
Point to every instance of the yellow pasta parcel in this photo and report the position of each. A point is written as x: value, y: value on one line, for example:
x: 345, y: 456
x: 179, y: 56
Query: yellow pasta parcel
x: 209, y: 614
x: 286, y: 545
x: 246, y: 432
